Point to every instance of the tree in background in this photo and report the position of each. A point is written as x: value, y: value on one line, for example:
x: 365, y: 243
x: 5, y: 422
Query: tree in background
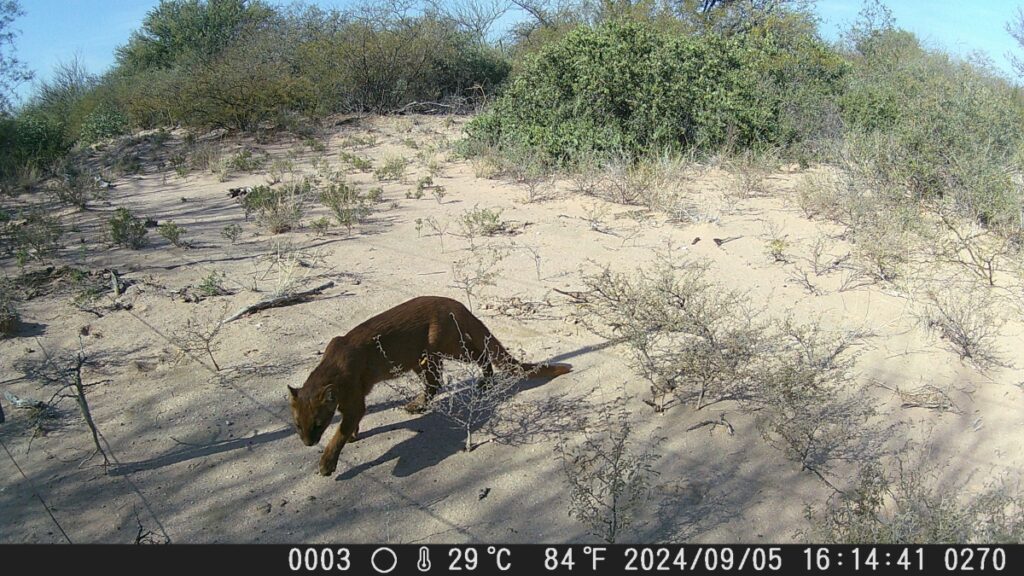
x: 1016, y: 29
x: 12, y: 71
x: 178, y: 30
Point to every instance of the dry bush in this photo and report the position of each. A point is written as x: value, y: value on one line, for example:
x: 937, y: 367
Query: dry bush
x: 690, y: 338
x: 884, y: 242
x: 609, y: 477
x: 64, y: 373
x: 466, y: 391
x: 476, y: 270
x: 969, y: 320
x: 204, y: 156
x: 32, y: 234
x: 200, y: 336
x: 625, y: 181
x: 750, y: 170
x: 75, y: 185
x: 909, y: 506
x: 286, y: 268
x: 806, y: 402
x: 967, y: 244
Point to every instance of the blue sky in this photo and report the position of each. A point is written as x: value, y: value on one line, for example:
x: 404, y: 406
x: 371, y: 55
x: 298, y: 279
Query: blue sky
x: 54, y: 31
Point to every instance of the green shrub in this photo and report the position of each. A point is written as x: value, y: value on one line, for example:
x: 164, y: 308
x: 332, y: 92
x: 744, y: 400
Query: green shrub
x: 173, y: 233
x: 624, y: 86
x: 392, y: 169
x: 278, y: 209
x: 231, y: 232
x: 103, y: 123
x: 245, y: 161
x: 933, y: 128
x: 346, y: 203
x: 127, y: 230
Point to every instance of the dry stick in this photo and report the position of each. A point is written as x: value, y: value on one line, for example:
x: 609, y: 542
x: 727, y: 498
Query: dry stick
x: 35, y: 492
x: 83, y: 405
x: 714, y: 424
x: 279, y: 301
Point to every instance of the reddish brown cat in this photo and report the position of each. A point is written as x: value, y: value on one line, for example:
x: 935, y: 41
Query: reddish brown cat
x: 415, y: 336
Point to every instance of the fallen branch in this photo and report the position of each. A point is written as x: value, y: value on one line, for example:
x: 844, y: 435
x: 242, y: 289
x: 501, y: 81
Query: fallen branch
x: 279, y: 301
x: 714, y: 424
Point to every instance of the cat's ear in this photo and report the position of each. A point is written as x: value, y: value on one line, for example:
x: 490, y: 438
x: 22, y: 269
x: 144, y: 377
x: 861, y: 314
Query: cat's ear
x: 294, y: 392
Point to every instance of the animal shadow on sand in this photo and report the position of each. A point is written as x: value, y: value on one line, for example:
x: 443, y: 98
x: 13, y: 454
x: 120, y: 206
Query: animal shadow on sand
x: 437, y: 437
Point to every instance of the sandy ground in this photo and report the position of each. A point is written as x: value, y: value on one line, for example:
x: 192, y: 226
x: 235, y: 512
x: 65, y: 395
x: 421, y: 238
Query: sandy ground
x: 201, y: 456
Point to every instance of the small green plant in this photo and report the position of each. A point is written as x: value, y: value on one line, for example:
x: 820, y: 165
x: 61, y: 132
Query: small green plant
x: 180, y: 163
x: 392, y: 169
x: 231, y: 232
x: 315, y: 145
x: 321, y: 225
x: 375, y: 195
x: 245, y: 161
x: 75, y: 186
x: 346, y: 203
x: 356, y: 161
x: 483, y: 222
x: 278, y: 209
x: 212, y: 286
x: 172, y: 233
x: 127, y: 230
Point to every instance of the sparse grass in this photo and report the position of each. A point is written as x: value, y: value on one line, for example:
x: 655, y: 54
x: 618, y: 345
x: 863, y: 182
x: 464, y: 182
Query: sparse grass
x: 355, y: 161
x: 750, y: 170
x: 204, y: 157
x: 392, y: 169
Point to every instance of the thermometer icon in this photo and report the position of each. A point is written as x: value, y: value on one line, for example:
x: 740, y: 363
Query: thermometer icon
x: 423, y: 564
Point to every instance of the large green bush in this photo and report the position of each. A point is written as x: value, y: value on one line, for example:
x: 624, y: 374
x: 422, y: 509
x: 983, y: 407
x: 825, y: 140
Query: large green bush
x: 381, y: 65
x: 935, y: 129
x: 631, y: 87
